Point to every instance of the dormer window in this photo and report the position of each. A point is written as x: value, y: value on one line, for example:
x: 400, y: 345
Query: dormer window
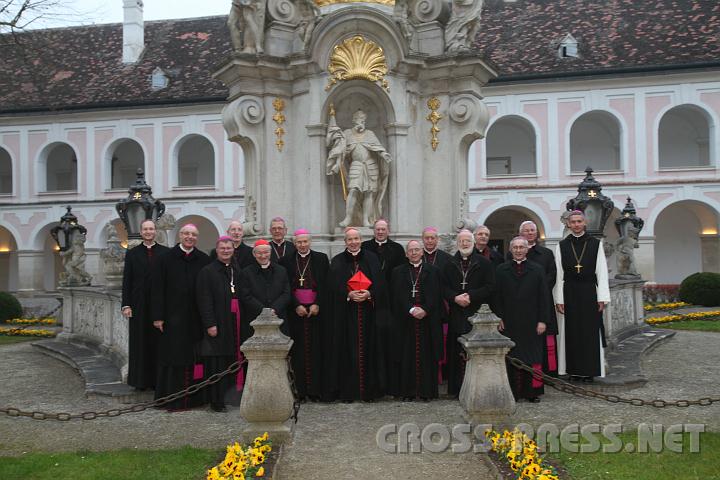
x: 568, y: 47
x: 158, y: 79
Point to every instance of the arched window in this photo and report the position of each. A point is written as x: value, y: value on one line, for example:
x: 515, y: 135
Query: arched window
x: 6, y: 186
x: 61, y: 168
x: 683, y: 138
x: 127, y: 157
x: 510, y: 147
x: 595, y: 142
x: 196, y: 162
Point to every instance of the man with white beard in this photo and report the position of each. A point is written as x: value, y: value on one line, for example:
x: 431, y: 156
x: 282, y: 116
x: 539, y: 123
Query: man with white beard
x: 469, y: 282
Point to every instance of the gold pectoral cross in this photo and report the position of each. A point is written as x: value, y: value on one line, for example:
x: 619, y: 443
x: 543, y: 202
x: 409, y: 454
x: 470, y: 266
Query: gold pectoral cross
x: 578, y: 267
x: 301, y: 280
x: 463, y: 284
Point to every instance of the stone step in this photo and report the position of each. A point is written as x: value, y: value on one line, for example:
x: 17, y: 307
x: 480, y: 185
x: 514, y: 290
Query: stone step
x: 102, y: 377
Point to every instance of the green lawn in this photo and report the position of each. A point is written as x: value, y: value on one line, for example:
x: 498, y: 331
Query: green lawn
x: 665, y: 465
x: 8, y: 340
x: 182, y: 463
x: 696, y: 325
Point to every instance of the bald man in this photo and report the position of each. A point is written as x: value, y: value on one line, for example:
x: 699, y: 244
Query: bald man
x: 242, y: 254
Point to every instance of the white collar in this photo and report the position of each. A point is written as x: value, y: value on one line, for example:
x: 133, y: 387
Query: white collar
x: 429, y: 252
x: 519, y: 261
x: 577, y: 236
x: 278, y: 244
x: 354, y: 254
x: 381, y: 243
x: 267, y: 265
x: 416, y: 265
x: 151, y: 245
x: 304, y: 255
x: 183, y: 249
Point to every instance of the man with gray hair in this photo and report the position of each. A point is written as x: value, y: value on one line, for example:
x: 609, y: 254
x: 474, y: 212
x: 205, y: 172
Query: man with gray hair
x: 521, y: 302
x: 279, y: 247
x: 242, y: 254
x: 482, y: 237
x: 469, y: 282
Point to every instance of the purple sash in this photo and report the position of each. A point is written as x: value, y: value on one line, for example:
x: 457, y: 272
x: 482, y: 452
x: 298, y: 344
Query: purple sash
x: 305, y: 296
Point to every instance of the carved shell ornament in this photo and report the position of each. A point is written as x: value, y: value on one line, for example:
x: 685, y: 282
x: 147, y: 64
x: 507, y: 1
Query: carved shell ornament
x: 357, y: 58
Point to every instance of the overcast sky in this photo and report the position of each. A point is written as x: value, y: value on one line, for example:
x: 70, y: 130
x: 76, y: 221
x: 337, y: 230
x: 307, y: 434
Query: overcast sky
x: 111, y: 11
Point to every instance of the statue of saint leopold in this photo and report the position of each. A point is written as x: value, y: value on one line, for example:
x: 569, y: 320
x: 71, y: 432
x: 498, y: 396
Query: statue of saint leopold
x: 365, y: 181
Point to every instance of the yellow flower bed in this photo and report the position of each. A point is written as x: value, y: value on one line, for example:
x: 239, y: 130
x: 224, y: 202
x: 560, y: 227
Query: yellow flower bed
x: 520, y: 452
x: 26, y: 332
x: 32, y: 321
x: 243, y: 463
x: 665, y: 306
x: 682, y: 317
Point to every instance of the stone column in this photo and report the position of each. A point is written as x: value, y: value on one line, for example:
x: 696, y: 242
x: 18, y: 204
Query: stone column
x: 485, y: 394
x: 267, y: 402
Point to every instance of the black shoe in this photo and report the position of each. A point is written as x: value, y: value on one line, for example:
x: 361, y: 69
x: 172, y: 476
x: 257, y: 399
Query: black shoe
x: 407, y: 399
x: 425, y: 399
x: 588, y: 379
x: 218, y: 407
x: 533, y: 400
x: 347, y: 401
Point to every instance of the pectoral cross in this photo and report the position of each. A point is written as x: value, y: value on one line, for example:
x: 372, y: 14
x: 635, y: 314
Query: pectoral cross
x: 414, y: 291
x: 232, y: 289
x: 578, y: 267
x: 463, y: 284
x: 301, y: 280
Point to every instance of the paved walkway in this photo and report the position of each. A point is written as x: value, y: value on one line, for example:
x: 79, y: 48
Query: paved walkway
x: 338, y: 440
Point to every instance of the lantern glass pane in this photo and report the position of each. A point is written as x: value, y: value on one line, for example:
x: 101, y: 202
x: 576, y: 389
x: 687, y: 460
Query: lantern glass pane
x: 593, y: 215
x: 62, y: 239
x: 135, y: 215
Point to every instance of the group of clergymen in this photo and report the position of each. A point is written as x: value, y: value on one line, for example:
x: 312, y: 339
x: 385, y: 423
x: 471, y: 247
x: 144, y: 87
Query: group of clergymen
x: 378, y: 319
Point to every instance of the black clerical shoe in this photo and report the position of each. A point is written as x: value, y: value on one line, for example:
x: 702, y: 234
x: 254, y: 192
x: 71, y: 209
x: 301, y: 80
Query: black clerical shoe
x: 407, y: 399
x: 425, y: 399
x: 218, y: 407
x: 588, y: 379
x: 533, y: 400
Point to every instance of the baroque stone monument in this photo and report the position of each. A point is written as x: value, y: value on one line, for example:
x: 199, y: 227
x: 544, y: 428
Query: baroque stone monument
x: 350, y: 111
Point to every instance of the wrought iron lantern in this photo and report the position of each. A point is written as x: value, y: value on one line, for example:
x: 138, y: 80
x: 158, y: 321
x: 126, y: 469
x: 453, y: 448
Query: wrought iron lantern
x: 591, y: 201
x: 628, y: 217
x: 63, y: 233
x: 139, y: 206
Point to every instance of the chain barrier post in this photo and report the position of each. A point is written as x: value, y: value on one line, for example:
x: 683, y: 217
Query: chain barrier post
x: 267, y: 405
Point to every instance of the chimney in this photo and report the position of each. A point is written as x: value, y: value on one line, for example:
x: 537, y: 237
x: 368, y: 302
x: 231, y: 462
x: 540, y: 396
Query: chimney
x: 133, y: 31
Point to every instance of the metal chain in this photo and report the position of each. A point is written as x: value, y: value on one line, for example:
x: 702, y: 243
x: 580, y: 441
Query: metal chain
x: 563, y: 386
x: 293, y: 388
x: 114, y: 412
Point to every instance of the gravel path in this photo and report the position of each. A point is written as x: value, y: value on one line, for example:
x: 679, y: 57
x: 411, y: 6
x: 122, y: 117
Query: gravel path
x: 338, y: 440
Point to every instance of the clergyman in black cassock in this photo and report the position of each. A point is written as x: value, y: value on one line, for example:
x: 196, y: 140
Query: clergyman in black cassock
x: 354, y: 370
x: 175, y: 314
x: 242, y: 256
x: 390, y: 254
x: 142, y: 336
x: 281, y: 248
x: 581, y: 293
x: 268, y: 283
x: 521, y: 302
x: 469, y: 283
x: 482, y: 236
x: 307, y: 315
x: 438, y: 259
x: 222, y: 296
x: 416, y: 301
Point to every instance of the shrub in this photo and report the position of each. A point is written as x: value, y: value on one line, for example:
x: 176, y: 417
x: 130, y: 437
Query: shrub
x: 701, y: 289
x: 9, y: 307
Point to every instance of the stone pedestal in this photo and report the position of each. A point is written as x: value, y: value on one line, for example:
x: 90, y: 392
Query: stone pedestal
x: 267, y: 402
x: 485, y: 394
x: 624, y: 316
x: 92, y: 315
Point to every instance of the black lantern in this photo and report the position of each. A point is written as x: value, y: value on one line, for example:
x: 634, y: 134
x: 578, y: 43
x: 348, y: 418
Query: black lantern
x: 590, y: 200
x: 628, y: 217
x: 139, y: 206
x: 63, y: 233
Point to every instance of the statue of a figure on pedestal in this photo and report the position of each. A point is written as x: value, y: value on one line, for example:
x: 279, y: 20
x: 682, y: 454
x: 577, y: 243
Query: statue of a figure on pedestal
x: 625, y: 255
x: 73, y: 260
x: 463, y: 25
x: 246, y: 22
x: 365, y: 183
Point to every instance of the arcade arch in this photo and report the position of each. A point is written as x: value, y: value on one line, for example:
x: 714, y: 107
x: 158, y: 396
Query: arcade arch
x: 595, y: 142
x: 505, y: 222
x: 126, y: 156
x: 60, y: 162
x: 195, y: 162
x: 684, y: 138
x: 686, y: 241
x: 8, y: 261
x: 208, y: 233
x: 510, y: 147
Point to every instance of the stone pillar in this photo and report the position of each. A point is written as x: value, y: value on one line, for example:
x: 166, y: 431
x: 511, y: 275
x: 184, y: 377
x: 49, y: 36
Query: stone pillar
x: 267, y: 402
x: 485, y: 394
x: 30, y: 271
x: 710, y: 248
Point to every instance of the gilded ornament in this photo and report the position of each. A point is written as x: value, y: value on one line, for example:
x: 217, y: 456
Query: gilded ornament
x: 434, y: 117
x: 357, y: 58
x: 279, y: 118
